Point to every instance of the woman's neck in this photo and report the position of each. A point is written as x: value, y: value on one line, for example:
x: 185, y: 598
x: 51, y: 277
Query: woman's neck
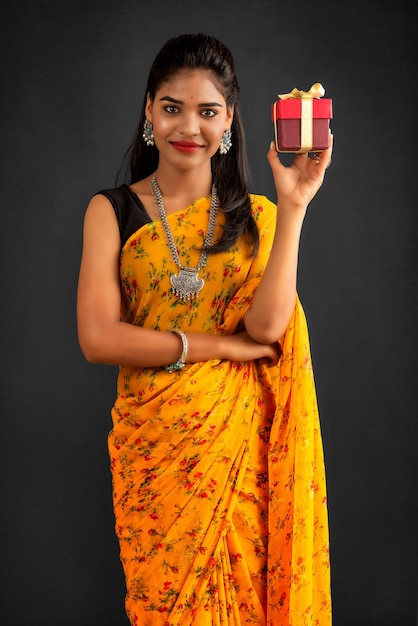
x: 189, y: 185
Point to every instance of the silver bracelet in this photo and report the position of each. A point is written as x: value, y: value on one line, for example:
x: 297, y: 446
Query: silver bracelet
x: 181, y: 362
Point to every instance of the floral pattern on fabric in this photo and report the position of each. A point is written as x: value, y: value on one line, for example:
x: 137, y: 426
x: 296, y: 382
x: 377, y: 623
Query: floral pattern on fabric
x: 218, y: 473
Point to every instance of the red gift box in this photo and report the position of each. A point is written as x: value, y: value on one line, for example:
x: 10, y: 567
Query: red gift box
x: 301, y: 121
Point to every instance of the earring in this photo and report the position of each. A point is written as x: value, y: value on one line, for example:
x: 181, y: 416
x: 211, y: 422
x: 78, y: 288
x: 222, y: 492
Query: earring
x: 226, y: 142
x: 148, y: 135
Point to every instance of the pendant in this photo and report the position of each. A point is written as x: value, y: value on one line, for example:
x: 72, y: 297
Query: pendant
x: 186, y: 285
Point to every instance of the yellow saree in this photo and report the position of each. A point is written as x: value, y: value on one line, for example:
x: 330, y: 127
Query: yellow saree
x: 218, y: 473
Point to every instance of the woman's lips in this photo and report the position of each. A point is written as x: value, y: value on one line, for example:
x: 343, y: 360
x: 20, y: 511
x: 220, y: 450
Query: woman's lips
x: 186, y: 146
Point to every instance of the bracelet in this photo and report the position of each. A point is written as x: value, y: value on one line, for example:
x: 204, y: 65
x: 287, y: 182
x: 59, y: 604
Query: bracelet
x: 181, y: 362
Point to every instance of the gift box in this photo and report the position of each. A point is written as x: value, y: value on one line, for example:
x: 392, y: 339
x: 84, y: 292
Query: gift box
x: 301, y: 120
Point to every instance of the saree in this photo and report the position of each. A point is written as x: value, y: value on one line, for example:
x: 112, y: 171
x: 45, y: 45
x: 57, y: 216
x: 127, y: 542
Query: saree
x: 218, y: 476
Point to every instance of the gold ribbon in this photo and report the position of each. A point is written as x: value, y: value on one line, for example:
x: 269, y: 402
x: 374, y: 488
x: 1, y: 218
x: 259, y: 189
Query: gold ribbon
x: 316, y: 91
x: 306, y: 122
x: 306, y: 125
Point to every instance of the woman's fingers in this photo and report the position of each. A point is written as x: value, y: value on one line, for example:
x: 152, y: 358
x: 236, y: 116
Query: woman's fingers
x: 275, y: 164
x: 321, y: 159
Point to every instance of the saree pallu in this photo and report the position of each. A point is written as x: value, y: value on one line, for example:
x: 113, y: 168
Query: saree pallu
x: 218, y: 472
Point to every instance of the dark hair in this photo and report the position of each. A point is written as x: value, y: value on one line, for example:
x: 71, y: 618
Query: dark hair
x: 229, y: 171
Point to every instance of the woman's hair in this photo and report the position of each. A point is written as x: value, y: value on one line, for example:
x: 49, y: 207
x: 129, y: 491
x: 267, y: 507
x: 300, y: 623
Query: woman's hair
x: 229, y: 171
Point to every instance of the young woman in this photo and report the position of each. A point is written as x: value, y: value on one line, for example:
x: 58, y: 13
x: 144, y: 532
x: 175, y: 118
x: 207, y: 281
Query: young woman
x: 188, y: 283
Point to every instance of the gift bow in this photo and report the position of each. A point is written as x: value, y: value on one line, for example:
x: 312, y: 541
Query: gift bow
x: 316, y: 91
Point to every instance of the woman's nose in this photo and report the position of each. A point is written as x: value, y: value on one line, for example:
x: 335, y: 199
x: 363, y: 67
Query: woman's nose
x: 188, y: 124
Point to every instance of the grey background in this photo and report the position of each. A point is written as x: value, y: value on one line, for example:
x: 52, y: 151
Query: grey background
x: 72, y: 80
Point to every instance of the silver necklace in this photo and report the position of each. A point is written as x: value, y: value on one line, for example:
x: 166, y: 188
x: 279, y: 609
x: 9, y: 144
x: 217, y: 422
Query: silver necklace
x: 186, y: 285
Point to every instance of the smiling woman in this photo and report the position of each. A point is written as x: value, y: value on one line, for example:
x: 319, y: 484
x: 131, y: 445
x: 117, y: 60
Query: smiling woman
x: 188, y: 283
x: 190, y: 115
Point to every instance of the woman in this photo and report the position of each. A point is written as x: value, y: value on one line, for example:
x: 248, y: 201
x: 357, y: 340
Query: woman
x: 188, y: 282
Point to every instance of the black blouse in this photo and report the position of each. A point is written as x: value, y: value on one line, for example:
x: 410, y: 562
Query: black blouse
x: 129, y: 210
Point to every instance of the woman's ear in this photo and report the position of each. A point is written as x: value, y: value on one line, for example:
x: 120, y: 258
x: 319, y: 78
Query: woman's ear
x: 229, y: 116
x: 148, y: 108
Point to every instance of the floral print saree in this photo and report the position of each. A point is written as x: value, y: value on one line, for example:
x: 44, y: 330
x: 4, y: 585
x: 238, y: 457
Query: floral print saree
x: 218, y: 472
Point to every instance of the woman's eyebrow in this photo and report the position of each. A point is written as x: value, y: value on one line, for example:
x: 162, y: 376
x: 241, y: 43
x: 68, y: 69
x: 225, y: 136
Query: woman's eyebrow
x: 203, y: 104
x: 170, y: 99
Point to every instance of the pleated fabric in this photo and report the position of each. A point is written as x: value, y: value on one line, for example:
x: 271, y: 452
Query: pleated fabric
x: 218, y: 473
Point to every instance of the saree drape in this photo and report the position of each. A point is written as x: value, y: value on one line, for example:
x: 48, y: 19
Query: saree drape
x: 218, y: 472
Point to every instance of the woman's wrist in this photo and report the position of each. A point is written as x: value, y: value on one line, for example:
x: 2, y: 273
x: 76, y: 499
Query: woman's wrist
x: 181, y: 361
x: 288, y: 212
x: 204, y: 347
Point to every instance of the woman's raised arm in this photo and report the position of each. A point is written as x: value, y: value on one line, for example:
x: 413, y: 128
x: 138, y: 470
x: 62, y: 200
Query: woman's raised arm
x: 274, y: 300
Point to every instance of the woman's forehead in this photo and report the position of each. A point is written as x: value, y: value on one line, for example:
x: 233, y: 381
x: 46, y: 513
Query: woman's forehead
x: 192, y: 84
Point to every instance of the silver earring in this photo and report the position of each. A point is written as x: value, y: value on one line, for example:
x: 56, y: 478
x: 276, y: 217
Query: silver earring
x: 148, y: 134
x: 226, y: 142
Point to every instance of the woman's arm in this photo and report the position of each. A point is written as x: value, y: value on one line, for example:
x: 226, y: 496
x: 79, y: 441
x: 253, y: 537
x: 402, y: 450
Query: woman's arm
x: 274, y: 300
x: 105, y: 339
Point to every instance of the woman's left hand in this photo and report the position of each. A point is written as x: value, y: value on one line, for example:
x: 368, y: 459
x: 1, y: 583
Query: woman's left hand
x: 298, y: 183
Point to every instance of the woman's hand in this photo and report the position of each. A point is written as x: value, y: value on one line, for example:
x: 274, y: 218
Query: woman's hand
x: 298, y: 183
x: 241, y: 347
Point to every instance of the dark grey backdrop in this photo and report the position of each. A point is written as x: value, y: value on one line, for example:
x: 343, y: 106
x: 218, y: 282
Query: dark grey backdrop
x: 71, y: 85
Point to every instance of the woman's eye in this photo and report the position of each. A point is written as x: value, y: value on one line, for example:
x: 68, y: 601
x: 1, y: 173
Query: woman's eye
x: 171, y: 108
x: 208, y: 113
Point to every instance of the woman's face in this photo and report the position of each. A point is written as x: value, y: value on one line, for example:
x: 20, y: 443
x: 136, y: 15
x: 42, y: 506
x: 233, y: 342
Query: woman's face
x: 189, y: 115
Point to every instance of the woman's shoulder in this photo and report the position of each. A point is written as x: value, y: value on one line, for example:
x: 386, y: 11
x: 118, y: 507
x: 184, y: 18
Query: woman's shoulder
x: 129, y: 209
x: 260, y: 200
x: 263, y: 210
x: 116, y: 195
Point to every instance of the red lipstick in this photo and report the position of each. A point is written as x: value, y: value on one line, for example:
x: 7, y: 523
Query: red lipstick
x: 186, y: 146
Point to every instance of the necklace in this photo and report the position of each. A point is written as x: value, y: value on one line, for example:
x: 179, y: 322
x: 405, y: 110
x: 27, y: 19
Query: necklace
x: 186, y: 285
